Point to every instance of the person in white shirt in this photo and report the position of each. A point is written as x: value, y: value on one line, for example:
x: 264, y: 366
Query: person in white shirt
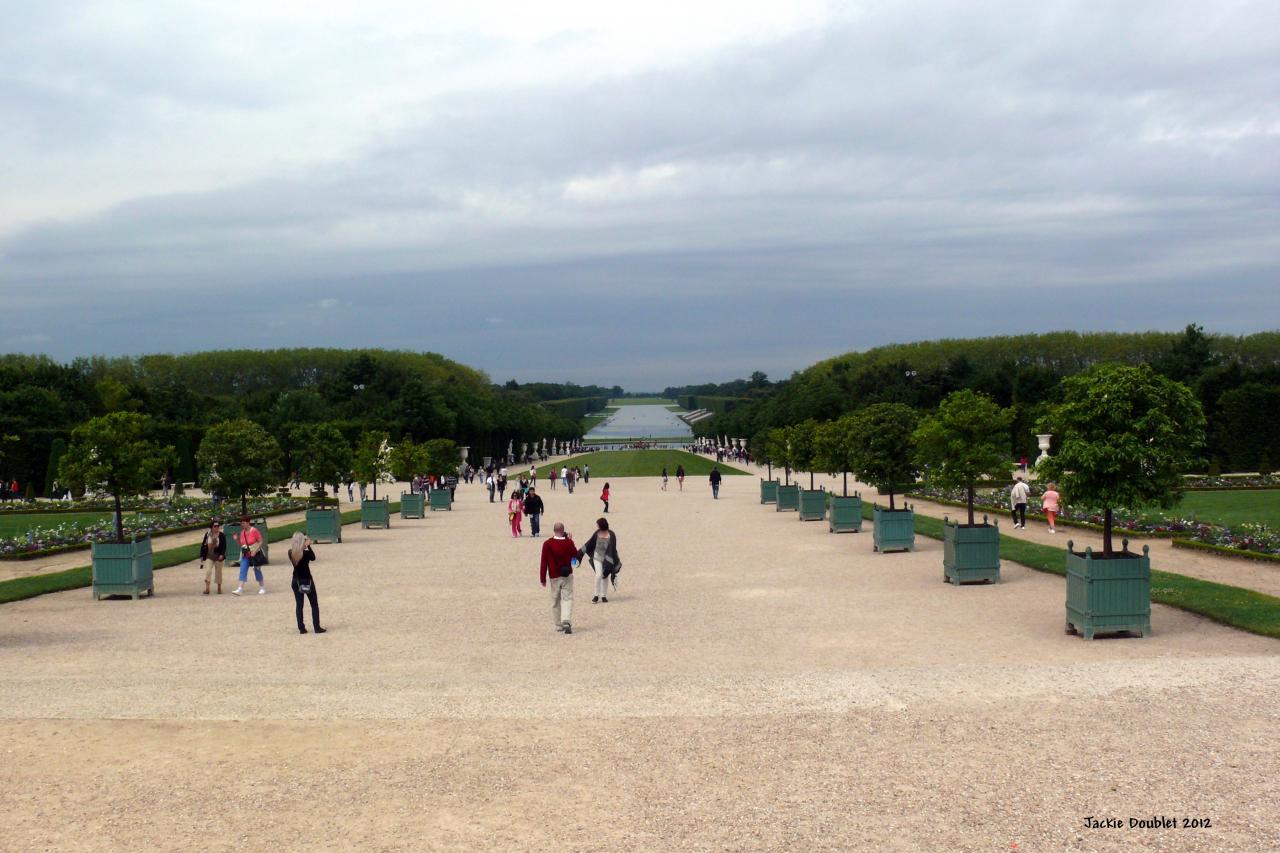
x: 1018, y: 502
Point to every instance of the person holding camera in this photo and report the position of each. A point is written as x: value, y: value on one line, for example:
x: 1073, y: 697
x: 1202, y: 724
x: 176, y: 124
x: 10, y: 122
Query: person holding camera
x: 555, y: 569
x: 301, y: 555
x: 250, y: 541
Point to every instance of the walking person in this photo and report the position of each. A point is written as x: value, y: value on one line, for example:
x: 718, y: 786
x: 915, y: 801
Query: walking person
x: 564, y: 475
x: 555, y: 570
x: 502, y: 485
x: 451, y: 483
x: 1018, y: 503
x: 664, y: 478
x: 551, y: 478
x: 604, y: 496
x: 301, y: 555
x: 515, y: 511
x: 250, y: 541
x: 586, y: 473
x: 1051, y: 503
x: 213, y: 548
x: 602, y: 550
x: 715, y: 482
x: 534, y: 509
x: 491, y: 484
x: 680, y: 476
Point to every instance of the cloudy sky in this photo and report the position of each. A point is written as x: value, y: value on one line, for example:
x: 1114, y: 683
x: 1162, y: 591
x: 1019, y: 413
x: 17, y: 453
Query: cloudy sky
x: 643, y: 194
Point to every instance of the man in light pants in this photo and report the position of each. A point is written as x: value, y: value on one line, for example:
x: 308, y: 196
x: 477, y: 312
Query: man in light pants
x: 556, y: 567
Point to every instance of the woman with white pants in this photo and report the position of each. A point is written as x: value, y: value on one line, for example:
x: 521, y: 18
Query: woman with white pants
x: 602, y: 550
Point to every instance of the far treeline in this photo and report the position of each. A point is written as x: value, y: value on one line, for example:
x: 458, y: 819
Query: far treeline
x: 1235, y: 379
x: 419, y: 395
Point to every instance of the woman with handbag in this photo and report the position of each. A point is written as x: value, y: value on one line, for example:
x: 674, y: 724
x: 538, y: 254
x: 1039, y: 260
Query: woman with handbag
x: 602, y: 550
x: 250, y: 541
x: 515, y: 511
x: 301, y: 555
x: 214, y: 549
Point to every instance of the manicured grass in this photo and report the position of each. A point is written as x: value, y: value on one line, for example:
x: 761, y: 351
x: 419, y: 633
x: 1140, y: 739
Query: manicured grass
x: 642, y: 463
x: 590, y: 421
x: 1228, y: 507
x: 16, y: 525
x: 640, y: 401
x: 82, y: 576
x: 1231, y: 605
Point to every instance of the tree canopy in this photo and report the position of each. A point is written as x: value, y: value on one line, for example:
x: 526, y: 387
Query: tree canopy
x: 239, y: 458
x: 964, y: 441
x: 114, y: 453
x: 884, y: 453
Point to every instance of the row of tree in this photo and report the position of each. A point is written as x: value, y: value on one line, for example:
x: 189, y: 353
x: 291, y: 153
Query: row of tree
x: 1127, y: 435
x: 1235, y: 379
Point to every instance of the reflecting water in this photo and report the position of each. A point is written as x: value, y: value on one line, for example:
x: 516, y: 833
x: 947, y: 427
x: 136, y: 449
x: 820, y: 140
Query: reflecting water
x: 641, y: 422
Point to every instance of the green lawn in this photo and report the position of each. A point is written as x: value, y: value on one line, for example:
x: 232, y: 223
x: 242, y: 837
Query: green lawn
x: 589, y: 421
x: 640, y: 401
x: 14, y: 526
x: 1229, y: 507
x: 643, y: 463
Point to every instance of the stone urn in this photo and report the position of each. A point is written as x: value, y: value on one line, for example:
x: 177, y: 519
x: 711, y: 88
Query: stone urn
x: 1043, y: 442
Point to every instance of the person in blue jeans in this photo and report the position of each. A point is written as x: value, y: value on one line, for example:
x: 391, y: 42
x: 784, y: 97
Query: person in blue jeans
x: 715, y: 482
x: 250, y: 541
x: 534, y: 509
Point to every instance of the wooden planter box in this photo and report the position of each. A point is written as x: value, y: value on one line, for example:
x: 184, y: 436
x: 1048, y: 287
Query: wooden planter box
x: 970, y: 554
x: 123, y: 569
x: 768, y: 491
x: 324, y: 524
x: 1108, y: 595
x: 893, y: 530
x: 375, y: 513
x: 813, y: 504
x: 412, y: 505
x: 846, y: 514
x: 232, y: 529
x: 441, y: 499
x: 788, y: 499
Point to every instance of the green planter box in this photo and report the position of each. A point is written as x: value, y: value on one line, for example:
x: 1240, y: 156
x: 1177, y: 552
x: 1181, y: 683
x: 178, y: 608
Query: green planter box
x: 1108, y: 595
x: 813, y: 504
x: 893, y: 530
x: 788, y: 499
x: 768, y: 491
x: 232, y: 530
x: 412, y: 505
x: 375, y: 513
x: 441, y: 499
x: 970, y: 554
x: 324, y: 524
x: 846, y: 514
x: 123, y: 569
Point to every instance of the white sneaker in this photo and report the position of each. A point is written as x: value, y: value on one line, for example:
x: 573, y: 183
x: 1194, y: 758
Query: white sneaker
x: 237, y: 590
x: 1051, y: 530
x: 262, y: 590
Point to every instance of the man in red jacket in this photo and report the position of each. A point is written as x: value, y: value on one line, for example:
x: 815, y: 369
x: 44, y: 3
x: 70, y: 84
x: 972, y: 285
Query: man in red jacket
x: 556, y: 566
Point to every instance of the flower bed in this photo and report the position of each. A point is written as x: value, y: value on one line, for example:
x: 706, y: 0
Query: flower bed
x: 1201, y: 482
x: 1123, y: 520
x: 146, y: 520
x: 1253, y: 539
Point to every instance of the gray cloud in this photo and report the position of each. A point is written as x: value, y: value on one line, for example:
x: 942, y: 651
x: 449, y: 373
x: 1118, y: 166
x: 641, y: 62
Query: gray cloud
x: 906, y: 172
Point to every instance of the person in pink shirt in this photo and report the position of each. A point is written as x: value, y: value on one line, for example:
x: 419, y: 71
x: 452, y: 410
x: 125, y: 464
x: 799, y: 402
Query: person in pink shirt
x: 515, y: 511
x: 1051, y: 503
x: 250, y: 540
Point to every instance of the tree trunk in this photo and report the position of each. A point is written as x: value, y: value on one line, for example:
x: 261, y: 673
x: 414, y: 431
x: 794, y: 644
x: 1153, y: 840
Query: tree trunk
x: 375, y: 489
x: 1106, y: 533
x: 971, y: 504
x: 769, y: 465
x: 787, y: 475
x: 846, y: 483
x: 119, y: 520
x: 811, y: 481
x: 244, y: 504
x: 891, y: 507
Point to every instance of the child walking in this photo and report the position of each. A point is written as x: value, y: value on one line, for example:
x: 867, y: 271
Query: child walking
x: 604, y: 496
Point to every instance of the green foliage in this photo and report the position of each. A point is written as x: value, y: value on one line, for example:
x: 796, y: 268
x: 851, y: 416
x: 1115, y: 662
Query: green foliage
x: 238, y: 459
x: 1247, y: 430
x: 835, y: 446
x: 801, y: 446
x: 884, y: 447
x: 115, y: 453
x: 408, y: 459
x: 965, y: 441
x: 576, y: 409
x: 56, y: 451
x: 1126, y: 437
x: 442, y: 456
x: 326, y: 455
x: 371, y: 462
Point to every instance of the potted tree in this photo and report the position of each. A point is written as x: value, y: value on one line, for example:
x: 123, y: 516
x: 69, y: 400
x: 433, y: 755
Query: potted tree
x: 812, y: 503
x: 442, y: 460
x: 326, y: 456
x: 788, y: 494
x: 116, y: 454
x: 239, y: 459
x: 371, y: 463
x: 408, y: 460
x: 760, y: 449
x: 1127, y: 436
x: 965, y: 441
x: 884, y: 456
x: 834, y: 446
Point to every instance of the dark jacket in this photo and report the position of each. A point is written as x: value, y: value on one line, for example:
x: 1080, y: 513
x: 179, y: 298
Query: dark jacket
x: 219, y: 549
x: 715, y: 476
x: 302, y: 568
x: 533, y: 505
x: 609, y: 559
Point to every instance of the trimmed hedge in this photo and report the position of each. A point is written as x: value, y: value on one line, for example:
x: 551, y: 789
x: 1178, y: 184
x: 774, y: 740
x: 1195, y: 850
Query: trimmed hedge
x: 1064, y: 522
x: 1225, y: 551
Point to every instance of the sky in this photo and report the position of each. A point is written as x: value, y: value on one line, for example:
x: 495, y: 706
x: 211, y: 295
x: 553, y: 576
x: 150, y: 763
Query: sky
x: 642, y: 194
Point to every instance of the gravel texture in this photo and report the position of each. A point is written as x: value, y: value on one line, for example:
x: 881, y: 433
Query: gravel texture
x: 754, y: 683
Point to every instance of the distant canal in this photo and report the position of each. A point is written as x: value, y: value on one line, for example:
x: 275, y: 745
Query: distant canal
x: 656, y: 422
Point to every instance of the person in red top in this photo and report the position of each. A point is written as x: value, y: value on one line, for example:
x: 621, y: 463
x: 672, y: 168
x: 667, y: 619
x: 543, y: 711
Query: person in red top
x: 556, y: 566
x: 250, y: 541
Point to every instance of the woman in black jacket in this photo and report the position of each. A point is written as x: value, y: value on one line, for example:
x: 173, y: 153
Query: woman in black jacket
x: 213, y: 549
x: 602, y: 550
x: 301, y: 555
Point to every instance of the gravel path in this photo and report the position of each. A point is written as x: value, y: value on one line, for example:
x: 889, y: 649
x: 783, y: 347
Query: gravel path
x: 754, y: 683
